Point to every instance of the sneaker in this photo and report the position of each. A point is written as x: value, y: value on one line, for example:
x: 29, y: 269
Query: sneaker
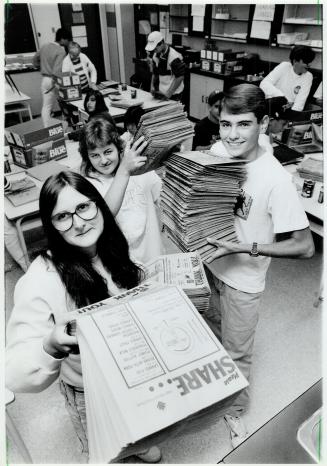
x: 151, y: 455
x: 238, y: 431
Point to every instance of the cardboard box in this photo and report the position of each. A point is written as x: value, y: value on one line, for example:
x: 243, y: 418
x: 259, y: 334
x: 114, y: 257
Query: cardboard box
x: 312, y: 113
x: 69, y: 86
x: 228, y: 56
x: 30, y: 143
x: 206, y: 65
x: 70, y: 93
x: 68, y: 79
x: 219, y: 67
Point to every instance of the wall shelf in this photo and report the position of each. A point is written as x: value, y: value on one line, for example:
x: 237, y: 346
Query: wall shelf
x: 314, y: 22
x: 229, y: 39
x: 232, y: 19
x: 289, y: 46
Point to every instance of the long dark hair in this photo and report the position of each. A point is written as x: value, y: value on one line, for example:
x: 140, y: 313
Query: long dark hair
x: 98, y: 132
x: 82, y: 282
x: 100, y: 105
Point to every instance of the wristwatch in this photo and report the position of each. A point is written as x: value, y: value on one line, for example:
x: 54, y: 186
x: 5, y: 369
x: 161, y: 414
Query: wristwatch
x: 254, y: 250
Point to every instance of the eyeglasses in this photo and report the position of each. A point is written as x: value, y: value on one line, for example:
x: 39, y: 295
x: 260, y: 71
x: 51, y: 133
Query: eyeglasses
x: 63, y: 221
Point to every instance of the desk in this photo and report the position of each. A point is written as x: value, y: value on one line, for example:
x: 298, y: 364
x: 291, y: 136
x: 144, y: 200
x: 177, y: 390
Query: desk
x: 275, y: 442
x: 17, y: 103
x: 28, y: 214
x: 118, y: 113
x: 311, y: 204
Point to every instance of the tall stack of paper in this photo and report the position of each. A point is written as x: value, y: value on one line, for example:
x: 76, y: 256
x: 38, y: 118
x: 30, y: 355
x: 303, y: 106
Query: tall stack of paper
x: 148, y: 362
x: 163, y: 128
x: 198, y: 199
x: 184, y: 270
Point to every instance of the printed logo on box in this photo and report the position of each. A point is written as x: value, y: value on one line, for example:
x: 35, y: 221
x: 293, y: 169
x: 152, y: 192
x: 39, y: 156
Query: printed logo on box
x: 316, y: 116
x: 57, y: 151
x: 203, y: 53
x: 215, y: 55
x: 19, y: 156
x: 72, y: 92
x: 66, y: 80
x: 75, y: 79
x: 209, y: 54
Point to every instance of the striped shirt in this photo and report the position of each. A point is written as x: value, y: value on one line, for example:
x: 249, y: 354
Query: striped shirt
x: 78, y: 68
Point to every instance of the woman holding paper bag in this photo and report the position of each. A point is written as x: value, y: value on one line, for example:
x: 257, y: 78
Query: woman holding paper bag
x: 87, y: 260
x: 132, y: 199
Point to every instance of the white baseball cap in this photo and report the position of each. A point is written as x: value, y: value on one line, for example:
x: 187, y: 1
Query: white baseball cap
x: 153, y: 40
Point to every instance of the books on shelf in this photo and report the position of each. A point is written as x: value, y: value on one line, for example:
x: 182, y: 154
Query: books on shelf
x: 164, y: 128
x: 149, y: 360
x: 198, y: 198
x: 184, y: 270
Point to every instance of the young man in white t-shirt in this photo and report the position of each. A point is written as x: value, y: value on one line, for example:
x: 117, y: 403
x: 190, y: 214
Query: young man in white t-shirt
x: 269, y: 221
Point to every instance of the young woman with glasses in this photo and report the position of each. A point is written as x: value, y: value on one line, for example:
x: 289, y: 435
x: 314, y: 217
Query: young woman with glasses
x: 86, y: 260
x: 132, y: 199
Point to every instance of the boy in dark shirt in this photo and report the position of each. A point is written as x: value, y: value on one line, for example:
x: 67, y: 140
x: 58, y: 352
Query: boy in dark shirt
x: 207, y: 130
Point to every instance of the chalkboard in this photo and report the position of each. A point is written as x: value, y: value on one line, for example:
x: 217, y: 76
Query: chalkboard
x: 19, y: 36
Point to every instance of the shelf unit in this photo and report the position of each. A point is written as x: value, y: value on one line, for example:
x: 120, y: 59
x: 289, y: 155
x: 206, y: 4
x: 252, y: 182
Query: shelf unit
x: 303, y: 18
x: 179, y: 18
x: 224, y: 28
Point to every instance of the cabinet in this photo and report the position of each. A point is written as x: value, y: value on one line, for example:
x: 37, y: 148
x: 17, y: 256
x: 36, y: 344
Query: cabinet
x: 179, y: 18
x: 230, y: 22
x: 303, y: 18
x: 200, y: 88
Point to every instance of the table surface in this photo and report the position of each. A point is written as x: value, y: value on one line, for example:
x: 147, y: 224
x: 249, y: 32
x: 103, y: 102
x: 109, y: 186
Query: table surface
x: 73, y: 160
x: 311, y: 204
x: 276, y: 441
x: 12, y: 97
x: 148, y: 101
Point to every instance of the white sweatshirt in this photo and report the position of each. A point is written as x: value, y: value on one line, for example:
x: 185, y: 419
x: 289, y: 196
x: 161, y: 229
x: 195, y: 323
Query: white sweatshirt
x: 283, y: 81
x: 40, y: 298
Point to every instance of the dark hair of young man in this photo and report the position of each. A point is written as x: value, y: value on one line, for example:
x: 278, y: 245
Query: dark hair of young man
x: 82, y: 282
x: 244, y: 98
x: 63, y: 34
x: 98, y: 132
x: 214, y: 97
x: 133, y: 116
x: 302, y: 52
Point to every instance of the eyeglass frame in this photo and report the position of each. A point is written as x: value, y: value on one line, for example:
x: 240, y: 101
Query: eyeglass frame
x: 75, y: 213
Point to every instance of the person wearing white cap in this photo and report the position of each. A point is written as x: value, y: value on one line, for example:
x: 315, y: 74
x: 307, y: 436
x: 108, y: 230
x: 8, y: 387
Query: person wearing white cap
x: 168, y: 67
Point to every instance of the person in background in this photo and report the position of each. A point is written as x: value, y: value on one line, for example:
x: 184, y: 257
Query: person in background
x: 49, y: 60
x: 131, y: 120
x: 94, y: 103
x: 86, y: 260
x: 133, y: 200
x: 77, y: 62
x: 277, y: 122
x: 206, y: 131
x: 168, y: 68
x: 269, y: 222
x: 291, y: 79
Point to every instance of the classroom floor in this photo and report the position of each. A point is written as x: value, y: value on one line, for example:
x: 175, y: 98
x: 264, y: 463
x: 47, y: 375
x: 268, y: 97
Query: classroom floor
x: 286, y: 362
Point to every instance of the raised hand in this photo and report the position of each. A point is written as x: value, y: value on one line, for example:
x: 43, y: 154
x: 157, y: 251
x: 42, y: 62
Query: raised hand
x: 132, y: 158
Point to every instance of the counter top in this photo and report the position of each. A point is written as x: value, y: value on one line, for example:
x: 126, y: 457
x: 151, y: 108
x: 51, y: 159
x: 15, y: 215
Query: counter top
x: 22, y: 68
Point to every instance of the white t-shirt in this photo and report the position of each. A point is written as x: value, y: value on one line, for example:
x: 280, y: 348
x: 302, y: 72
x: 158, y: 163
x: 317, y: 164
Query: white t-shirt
x: 283, y: 81
x: 138, y: 216
x: 272, y: 206
x: 218, y: 147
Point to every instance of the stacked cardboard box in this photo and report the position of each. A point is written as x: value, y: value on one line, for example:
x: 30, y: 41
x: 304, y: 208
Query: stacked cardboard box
x: 222, y: 62
x: 69, y: 87
x: 31, y: 144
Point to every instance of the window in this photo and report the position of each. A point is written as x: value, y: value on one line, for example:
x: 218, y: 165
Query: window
x: 19, y: 37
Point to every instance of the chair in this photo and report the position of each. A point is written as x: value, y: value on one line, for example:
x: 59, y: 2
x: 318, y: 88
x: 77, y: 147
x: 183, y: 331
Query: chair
x: 13, y: 432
